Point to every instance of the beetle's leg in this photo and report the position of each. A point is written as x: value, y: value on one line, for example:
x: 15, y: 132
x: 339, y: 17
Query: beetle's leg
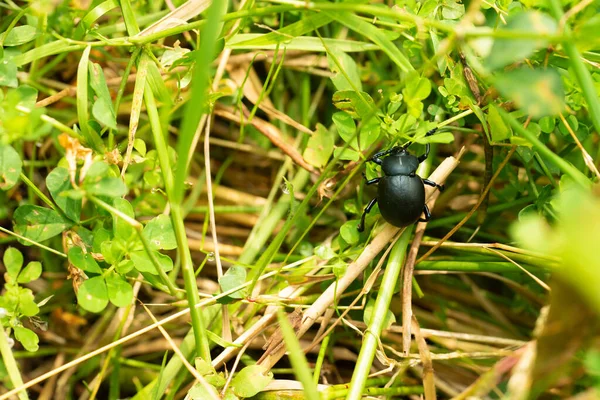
x: 432, y: 183
x: 370, y: 181
x: 431, y: 132
x: 361, y: 226
x: 376, y: 157
x: 424, y: 156
x: 427, y: 214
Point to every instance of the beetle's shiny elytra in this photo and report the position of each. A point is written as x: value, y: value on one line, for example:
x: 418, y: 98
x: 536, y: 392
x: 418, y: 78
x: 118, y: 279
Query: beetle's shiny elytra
x: 400, y: 192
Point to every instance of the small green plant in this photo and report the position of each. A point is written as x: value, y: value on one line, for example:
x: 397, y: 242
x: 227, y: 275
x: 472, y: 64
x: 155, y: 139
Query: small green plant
x: 17, y: 302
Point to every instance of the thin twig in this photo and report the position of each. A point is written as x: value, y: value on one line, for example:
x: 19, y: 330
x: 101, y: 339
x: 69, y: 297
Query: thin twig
x: 428, y: 377
x: 407, y: 279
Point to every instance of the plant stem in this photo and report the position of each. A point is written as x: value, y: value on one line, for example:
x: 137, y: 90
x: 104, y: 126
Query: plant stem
x: 183, y: 248
x: 380, y: 311
x: 11, y: 364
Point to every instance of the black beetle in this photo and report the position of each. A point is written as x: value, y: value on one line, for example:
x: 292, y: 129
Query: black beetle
x: 401, y: 192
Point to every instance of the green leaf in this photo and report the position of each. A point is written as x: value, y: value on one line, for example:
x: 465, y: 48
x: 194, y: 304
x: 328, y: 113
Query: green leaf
x: 143, y: 263
x: 230, y: 396
x: 13, y: 261
x: 8, y: 73
x: 120, y: 292
x: 93, y: 295
x: 390, y: 318
x: 453, y: 10
x: 251, y: 380
x: 369, y: 133
x: 140, y: 146
x: 324, y: 252
x: 97, y: 171
x: 417, y: 89
x: 58, y: 182
x: 208, y: 371
x: 507, y: 51
x: 538, y: 92
x: 346, y: 127
x: 346, y: 154
x: 39, y: 223
x: 499, y: 130
x: 27, y: 338
x: 113, y: 251
x: 234, y: 277
x: 124, y: 266
x: 10, y: 166
x: 547, y: 124
x: 104, y: 113
x: 319, y: 147
x: 122, y: 229
x: 441, y: 137
x: 31, y: 272
x: 107, y: 186
x: 359, y: 105
x: 26, y: 95
x: 27, y: 305
x: 349, y: 232
x: 98, y: 82
x: 199, y: 392
x: 347, y: 67
x: 159, y: 231
x: 83, y: 261
x: 157, y: 84
x: 19, y: 35
x: 102, y: 109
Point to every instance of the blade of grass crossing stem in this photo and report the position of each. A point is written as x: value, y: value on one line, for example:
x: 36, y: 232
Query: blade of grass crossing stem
x: 208, y: 39
x: 299, y: 363
x: 579, y: 69
x: 129, y: 18
x: 91, y: 137
x: 97, y: 12
x: 306, y: 25
x: 541, y: 148
x: 183, y: 249
x: 136, y: 109
x: 380, y: 310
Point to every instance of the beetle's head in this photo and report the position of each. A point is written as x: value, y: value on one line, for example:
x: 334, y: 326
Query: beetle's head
x: 400, y: 162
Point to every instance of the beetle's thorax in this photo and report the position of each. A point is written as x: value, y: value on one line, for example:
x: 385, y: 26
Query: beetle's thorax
x: 400, y: 163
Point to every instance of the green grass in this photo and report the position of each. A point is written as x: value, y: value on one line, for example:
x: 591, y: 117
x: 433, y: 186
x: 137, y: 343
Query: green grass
x: 103, y: 181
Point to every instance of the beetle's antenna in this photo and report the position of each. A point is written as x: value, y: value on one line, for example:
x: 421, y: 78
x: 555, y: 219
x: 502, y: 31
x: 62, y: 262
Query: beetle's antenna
x: 429, y: 133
